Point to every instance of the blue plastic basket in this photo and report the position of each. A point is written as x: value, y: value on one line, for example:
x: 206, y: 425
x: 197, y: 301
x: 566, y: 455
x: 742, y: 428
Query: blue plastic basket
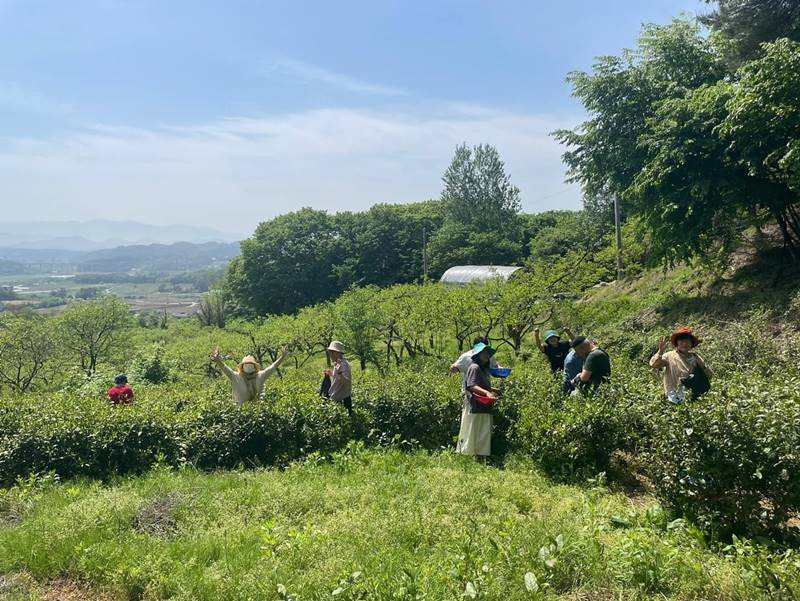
x: 500, y: 372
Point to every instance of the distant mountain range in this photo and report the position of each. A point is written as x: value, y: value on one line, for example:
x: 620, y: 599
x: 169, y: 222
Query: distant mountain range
x: 181, y: 256
x: 87, y: 236
x: 150, y: 258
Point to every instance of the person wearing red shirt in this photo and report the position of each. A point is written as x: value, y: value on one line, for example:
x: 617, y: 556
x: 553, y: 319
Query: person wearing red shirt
x: 121, y: 393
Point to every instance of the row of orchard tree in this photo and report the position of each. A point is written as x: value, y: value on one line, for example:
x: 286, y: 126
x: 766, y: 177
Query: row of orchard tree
x: 83, y: 336
x: 381, y: 327
x: 384, y: 327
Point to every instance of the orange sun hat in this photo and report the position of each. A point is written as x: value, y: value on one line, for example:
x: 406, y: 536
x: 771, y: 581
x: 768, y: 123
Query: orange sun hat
x: 680, y: 332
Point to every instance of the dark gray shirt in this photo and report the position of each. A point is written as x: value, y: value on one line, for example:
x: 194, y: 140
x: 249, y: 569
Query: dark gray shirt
x: 477, y: 376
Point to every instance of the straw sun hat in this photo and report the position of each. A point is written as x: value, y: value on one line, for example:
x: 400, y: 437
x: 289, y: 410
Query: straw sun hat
x: 336, y: 346
x: 249, y: 359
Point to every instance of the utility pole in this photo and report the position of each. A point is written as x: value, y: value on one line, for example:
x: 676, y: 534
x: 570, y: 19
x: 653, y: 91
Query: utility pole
x: 620, y: 272
x: 424, y: 255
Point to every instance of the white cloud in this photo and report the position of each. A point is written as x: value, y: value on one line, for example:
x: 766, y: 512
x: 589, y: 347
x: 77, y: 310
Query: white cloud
x: 233, y: 173
x: 313, y: 73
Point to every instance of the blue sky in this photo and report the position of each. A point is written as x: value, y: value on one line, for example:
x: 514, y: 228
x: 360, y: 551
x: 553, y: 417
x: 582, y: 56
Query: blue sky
x: 228, y: 113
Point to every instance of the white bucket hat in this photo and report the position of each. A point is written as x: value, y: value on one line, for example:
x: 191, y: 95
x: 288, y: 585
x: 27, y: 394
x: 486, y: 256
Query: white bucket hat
x: 336, y: 346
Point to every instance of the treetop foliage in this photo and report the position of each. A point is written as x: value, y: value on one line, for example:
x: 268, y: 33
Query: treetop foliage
x: 746, y: 24
x: 309, y: 256
x: 698, y: 152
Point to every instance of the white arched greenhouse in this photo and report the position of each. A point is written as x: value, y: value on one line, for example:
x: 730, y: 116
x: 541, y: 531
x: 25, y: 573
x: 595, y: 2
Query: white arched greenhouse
x: 461, y: 275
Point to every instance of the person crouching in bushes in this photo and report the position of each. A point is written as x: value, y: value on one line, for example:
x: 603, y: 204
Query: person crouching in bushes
x: 596, y: 366
x: 120, y: 393
x: 248, y: 379
x: 573, y: 365
x: 337, y: 382
x: 682, y: 369
x: 475, y: 434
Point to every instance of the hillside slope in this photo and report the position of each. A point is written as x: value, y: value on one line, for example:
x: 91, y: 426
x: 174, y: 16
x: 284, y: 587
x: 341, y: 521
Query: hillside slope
x: 757, y: 290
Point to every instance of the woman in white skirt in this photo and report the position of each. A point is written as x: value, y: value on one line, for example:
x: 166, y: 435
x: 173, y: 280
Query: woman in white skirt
x: 475, y: 435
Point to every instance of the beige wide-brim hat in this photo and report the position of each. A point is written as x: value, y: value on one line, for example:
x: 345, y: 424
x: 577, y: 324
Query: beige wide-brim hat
x: 336, y: 346
x: 249, y: 359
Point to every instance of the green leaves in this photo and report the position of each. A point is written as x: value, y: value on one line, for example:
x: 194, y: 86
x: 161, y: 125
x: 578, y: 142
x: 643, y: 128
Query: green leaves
x: 90, y: 329
x: 307, y: 257
x: 694, y: 150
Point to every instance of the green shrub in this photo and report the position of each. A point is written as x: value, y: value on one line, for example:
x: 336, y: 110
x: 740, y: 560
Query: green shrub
x: 151, y: 366
x: 730, y: 460
x: 575, y: 437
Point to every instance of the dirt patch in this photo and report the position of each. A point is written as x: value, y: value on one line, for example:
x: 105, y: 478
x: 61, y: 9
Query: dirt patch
x: 157, y: 517
x: 10, y: 515
x: 627, y: 472
x: 22, y: 586
x: 594, y: 596
x: 67, y: 590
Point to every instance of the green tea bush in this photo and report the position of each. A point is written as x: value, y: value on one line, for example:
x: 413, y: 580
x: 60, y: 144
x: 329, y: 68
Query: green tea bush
x: 94, y: 439
x: 730, y: 460
x: 575, y: 437
x: 151, y: 367
x: 418, y: 406
x: 75, y: 434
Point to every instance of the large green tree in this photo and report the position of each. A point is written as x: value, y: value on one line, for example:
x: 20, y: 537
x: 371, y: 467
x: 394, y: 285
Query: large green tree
x: 481, y: 209
x: 309, y: 256
x: 384, y: 245
x: 762, y: 125
x: 477, y: 191
x: 286, y: 264
x: 746, y: 24
x: 621, y: 96
x: 92, y: 328
x: 681, y: 141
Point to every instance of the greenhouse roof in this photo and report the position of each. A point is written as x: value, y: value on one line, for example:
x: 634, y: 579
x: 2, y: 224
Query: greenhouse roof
x: 467, y: 274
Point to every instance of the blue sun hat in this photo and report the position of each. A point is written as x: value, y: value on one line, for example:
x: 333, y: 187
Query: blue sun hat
x: 478, y: 348
x: 549, y: 334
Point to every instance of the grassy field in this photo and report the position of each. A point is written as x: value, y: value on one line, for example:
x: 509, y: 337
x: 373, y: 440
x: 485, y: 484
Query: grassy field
x: 363, y: 525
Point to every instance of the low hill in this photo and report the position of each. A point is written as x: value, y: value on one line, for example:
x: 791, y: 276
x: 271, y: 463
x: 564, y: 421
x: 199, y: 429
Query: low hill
x: 181, y: 256
x: 39, y: 256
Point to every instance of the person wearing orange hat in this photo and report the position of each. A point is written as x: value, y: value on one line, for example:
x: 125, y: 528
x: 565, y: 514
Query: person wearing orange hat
x: 248, y: 379
x: 680, y: 364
